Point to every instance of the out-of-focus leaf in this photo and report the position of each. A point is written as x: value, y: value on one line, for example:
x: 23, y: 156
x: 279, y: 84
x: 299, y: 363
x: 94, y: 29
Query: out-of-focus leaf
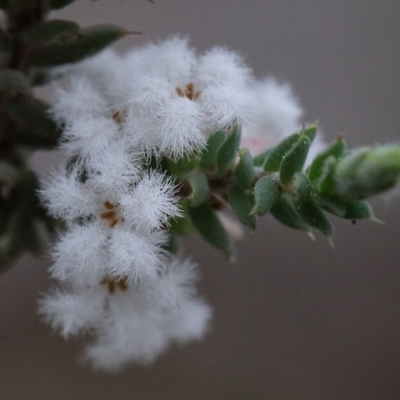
x: 35, y: 129
x: 367, y: 171
x: 5, y: 41
x: 57, y: 4
x: 86, y: 43
x: 260, y: 159
x: 13, y: 83
x: 55, y: 30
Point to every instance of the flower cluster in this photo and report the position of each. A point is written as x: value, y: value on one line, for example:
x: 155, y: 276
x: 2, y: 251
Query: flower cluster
x: 120, y: 115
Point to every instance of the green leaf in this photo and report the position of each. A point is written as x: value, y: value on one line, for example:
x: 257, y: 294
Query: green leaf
x: 266, y: 194
x: 315, y: 217
x: 210, y: 227
x: 242, y: 204
x: 342, y: 208
x: 260, y: 159
x: 56, y: 30
x: 285, y: 212
x: 57, y: 4
x: 294, y: 160
x: 35, y: 130
x: 310, y: 132
x: 13, y: 83
x: 227, y: 152
x: 87, y: 42
x: 8, y: 173
x: 367, y: 171
x: 274, y: 159
x: 200, y: 190
x: 180, y: 167
x: 244, y: 169
x: 5, y: 41
x: 316, y: 169
x: 209, y: 154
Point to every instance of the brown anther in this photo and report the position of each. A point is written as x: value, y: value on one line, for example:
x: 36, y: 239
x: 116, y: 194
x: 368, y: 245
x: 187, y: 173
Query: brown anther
x: 109, y: 205
x: 111, y: 214
x: 113, y: 222
x: 188, y: 92
x: 113, y: 284
x: 118, y: 117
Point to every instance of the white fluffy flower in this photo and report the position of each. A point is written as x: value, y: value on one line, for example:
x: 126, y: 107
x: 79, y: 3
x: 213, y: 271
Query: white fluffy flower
x: 132, y: 324
x: 173, y: 100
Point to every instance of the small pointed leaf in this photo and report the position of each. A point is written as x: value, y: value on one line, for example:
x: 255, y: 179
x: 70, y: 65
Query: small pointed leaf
x: 242, y: 204
x: 294, y: 160
x: 55, y: 30
x: 274, y: 159
x: 244, y: 169
x: 200, y: 190
x: 310, y: 132
x: 209, y: 154
x: 285, y: 212
x: 316, y: 169
x: 86, y: 43
x: 266, y: 194
x: 260, y: 159
x: 210, y: 227
x: 227, y: 152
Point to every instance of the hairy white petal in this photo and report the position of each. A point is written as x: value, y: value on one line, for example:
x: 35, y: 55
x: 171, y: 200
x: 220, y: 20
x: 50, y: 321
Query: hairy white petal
x: 134, y: 256
x: 151, y: 203
x: 71, y: 312
x: 80, y: 255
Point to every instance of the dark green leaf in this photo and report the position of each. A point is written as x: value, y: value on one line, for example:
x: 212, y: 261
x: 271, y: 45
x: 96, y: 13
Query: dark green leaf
x: 56, y: 30
x: 242, y: 204
x: 200, y: 190
x: 5, y: 41
x: 316, y: 169
x: 227, y: 152
x: 342, y: 208
x: 209, y: 154
x: 4, y: 4
x: 266, y: 194
x: 86, y: 43
x: 285, y: 212
x: 294, y: 160
x: 368, y: 171
x: 210, y: 227
x: 8, y: 173
x: 260, y: 159
x: 274, y: 159
x: 310, y: 132
x: 57, y: 4
x: 35, y: 130
x: 244, y: 169
x: 13, y: 83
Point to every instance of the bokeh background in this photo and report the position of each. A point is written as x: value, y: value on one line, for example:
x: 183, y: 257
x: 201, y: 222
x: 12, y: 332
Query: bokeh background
x: 293, y: 319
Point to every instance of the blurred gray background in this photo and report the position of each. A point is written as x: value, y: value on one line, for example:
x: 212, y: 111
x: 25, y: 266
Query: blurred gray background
x: 293, y: 319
